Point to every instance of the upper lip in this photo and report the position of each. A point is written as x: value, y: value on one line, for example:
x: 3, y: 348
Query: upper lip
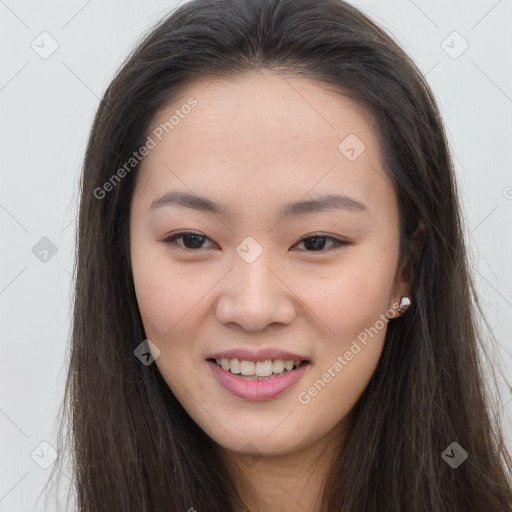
x: 257, y: 355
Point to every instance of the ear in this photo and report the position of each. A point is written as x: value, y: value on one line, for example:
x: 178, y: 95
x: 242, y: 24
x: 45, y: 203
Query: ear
x: 404, y: 283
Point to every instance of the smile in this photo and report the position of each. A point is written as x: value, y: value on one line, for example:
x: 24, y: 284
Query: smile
x: 257, y: 380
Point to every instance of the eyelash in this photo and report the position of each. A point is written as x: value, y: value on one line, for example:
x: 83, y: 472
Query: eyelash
x: 171, y: 240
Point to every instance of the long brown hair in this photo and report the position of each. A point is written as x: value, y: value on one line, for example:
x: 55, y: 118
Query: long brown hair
x: 133, y: 446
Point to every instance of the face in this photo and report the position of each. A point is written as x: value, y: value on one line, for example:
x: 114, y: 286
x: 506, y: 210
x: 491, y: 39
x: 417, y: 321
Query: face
x: 243, y: 276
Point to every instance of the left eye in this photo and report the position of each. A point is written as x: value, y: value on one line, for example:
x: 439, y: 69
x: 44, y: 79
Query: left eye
x: 315, y: 241
x: 195, y: 240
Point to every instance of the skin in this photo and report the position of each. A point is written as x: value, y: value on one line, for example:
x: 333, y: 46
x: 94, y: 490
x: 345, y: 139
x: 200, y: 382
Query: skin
x: 255, y: 143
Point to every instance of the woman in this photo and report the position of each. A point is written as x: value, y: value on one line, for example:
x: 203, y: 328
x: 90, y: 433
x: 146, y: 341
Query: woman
x: 273, y: 309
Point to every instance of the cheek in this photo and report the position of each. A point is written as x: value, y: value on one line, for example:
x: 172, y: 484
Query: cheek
x: 353, y: 306
x: 166, y: 292
x: 351, y: 297
x: 167, y: 296
x: 154, y: 294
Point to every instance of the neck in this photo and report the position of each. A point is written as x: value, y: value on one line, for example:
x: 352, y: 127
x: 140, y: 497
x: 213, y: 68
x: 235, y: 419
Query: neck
x: 285, y: 482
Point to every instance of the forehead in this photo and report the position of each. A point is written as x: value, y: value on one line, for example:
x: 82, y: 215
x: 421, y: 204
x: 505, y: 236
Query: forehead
x: 259, y: 137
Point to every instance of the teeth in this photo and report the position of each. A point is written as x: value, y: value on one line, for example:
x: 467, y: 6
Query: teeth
x: 234, y: 366
x: 278, y: 366
x: 247, y: 367
x: 259, y: 368
x: 264, y: 368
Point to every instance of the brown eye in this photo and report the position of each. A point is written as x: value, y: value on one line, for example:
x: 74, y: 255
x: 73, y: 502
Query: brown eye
x: 317, y: 242
x: 191, y: 240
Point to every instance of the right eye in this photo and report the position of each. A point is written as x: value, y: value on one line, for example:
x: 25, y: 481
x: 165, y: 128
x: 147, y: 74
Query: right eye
x: 190, y: 238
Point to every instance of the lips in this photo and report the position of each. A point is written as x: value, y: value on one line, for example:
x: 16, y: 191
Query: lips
x: 257, y: 375
x: 256, y: 389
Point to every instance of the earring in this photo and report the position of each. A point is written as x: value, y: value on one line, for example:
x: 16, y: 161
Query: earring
x: 405, y: 302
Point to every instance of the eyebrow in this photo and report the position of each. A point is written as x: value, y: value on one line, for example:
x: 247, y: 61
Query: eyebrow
x: 317, y: 204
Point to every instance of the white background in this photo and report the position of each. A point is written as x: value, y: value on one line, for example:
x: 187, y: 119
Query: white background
x: 47, y: 107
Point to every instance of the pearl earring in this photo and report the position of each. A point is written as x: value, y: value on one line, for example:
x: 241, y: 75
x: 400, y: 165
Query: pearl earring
x: 405, y: 302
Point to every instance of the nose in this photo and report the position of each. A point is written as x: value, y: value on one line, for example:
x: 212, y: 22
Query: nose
x: 255, y: 295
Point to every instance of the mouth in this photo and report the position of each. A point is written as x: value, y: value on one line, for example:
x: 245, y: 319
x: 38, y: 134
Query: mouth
x: 258, y: 370
x: 258, y: 380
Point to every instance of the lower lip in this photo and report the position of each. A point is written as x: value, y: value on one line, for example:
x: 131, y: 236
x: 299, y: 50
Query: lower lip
x: 256, y: 389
